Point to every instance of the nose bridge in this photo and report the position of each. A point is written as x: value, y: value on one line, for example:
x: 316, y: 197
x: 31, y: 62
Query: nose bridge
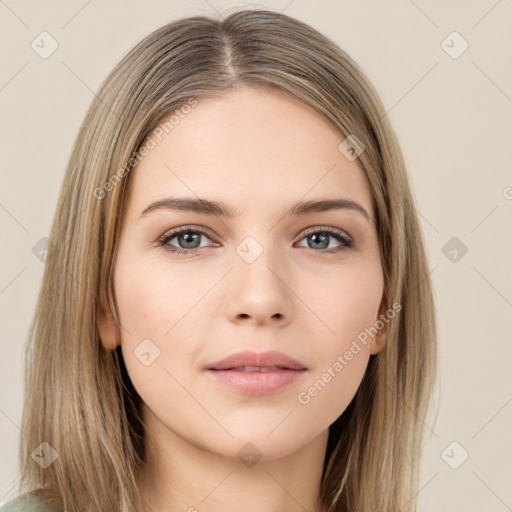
x: 260, y: 262
x: 261, y: 254
x: 258, y: 286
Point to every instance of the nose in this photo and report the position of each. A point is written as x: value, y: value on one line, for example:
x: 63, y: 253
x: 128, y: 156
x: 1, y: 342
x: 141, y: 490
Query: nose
x: 260, y: 293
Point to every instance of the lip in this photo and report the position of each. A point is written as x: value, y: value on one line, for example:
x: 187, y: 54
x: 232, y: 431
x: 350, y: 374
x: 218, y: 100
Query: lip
x: 262, y: 359
x: 227, y: 371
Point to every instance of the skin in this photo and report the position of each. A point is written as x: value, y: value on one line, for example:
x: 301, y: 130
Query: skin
x: 260, y: 152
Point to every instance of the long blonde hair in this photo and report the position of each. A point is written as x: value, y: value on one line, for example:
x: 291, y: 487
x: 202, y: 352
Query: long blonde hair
x: 78, y: 396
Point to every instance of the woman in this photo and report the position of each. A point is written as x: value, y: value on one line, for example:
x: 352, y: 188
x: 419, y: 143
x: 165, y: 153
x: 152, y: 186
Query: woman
x: 236, y: 308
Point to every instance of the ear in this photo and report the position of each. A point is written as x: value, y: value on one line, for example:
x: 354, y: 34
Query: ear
x: 379, y: 340
x: 107, y: 328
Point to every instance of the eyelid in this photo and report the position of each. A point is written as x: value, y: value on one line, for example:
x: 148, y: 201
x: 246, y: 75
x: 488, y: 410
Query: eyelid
x: 328, y: 229
x: 171, y: 233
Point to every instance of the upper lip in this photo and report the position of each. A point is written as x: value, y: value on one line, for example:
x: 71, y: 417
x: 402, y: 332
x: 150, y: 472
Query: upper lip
x: 258, y: 359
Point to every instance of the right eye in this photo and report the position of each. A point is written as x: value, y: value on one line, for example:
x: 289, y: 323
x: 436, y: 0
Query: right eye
x: 186, y: 236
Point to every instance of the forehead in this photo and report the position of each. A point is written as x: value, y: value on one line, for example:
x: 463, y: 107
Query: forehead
x: 248, y: 147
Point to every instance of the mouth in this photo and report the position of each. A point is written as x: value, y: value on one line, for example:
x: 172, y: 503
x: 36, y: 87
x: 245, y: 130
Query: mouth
x: 257, y: 374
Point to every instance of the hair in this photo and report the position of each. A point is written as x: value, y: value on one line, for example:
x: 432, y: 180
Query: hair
x: 78, y: 396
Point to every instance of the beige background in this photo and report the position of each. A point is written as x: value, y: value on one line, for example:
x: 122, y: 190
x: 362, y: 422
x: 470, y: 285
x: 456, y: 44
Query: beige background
x: 453, y: 117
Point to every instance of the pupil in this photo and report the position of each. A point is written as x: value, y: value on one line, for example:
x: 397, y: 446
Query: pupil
x: 189, y: 238
x: 321, y: 236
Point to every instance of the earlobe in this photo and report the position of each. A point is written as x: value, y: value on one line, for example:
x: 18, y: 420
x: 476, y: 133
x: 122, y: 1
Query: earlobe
x: 107, y: 329
x: 378, y: 342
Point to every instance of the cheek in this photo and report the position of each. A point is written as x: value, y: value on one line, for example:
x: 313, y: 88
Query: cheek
x: 159, y: 312
x: 342, y: 353
x: 344, y: 300
x: 155, y: 342
x: 348, y: 308
x: 152, y: 300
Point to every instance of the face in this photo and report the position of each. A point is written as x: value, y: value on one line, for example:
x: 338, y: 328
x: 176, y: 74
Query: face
x: 303, y: 284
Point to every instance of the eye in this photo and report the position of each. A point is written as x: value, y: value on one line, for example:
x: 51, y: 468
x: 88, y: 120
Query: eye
x: 318, y: 238
x: 190, y: 239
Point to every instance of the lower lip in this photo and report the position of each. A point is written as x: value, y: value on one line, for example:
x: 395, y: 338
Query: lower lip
x: 257, y: 383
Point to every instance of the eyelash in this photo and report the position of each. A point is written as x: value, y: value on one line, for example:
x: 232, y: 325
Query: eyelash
x: 346, y: 243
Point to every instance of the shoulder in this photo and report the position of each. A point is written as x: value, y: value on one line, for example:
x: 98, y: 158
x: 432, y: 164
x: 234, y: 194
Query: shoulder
x: 29, y: 502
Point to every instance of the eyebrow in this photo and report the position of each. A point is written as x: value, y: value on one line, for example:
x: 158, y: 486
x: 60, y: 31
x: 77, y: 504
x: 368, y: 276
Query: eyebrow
x: 217, y: 208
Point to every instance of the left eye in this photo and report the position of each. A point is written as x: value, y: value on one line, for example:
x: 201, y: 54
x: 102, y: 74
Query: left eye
x: 318, y: 238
